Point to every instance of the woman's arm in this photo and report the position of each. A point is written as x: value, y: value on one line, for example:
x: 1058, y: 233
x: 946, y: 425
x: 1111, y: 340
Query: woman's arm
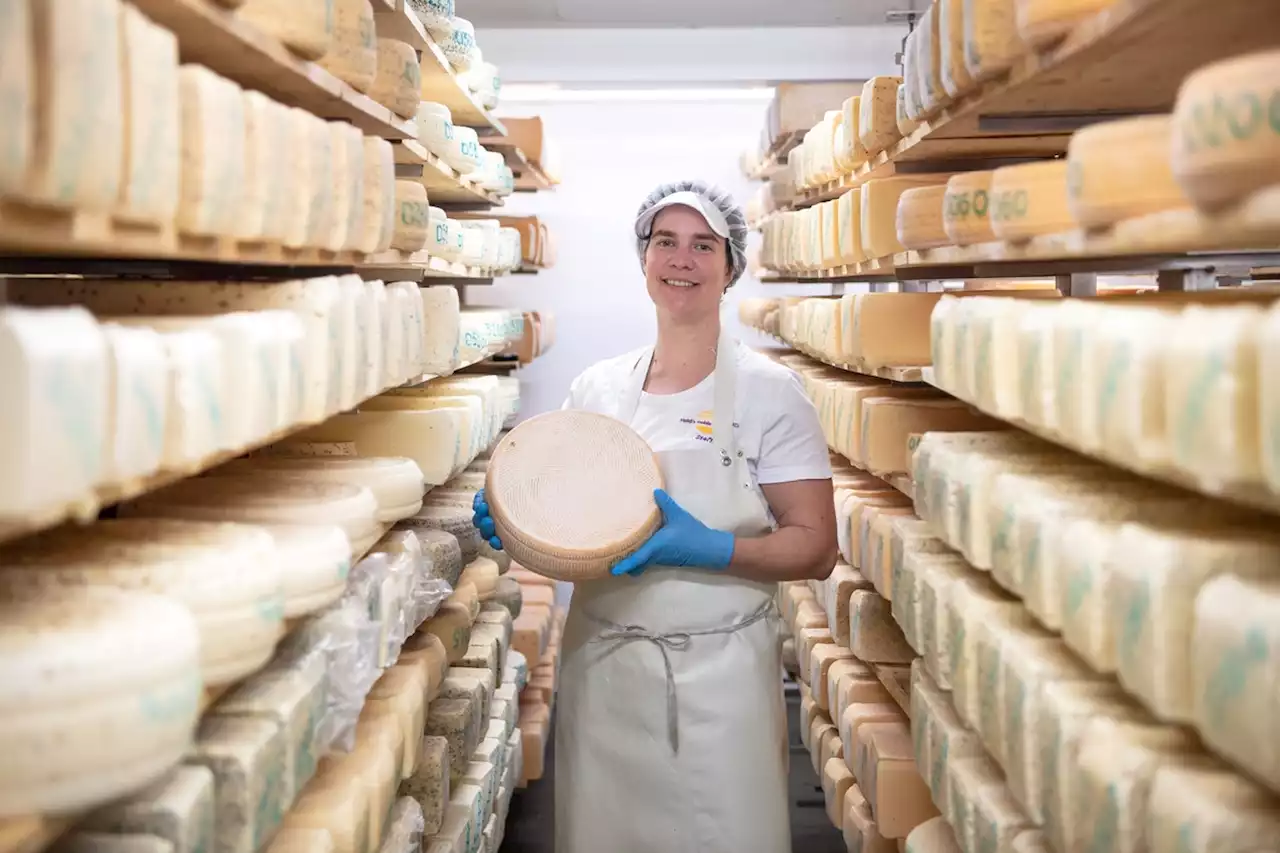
x: 804, y: 545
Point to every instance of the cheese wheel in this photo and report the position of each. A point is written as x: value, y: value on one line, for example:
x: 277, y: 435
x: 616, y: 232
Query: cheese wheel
x: 18, y: 79
x: 398, y: 83
x: 396, y: 482
x: 413, y: 217
x: 152, y: 145
x: 955, y: 75
x: 1042, y: 22
x: 1121, y: 169
x: 572, y: 492
x: 920, y: 224
x: 378, y: 224
x: 1030, y: 200
x: 878, y: 114
x: 459, y: 47
x: 103, y: 695
x: 213, y: 153
x: 1225, y: 140
x: 853, y: 154
x: 966, y: 211
x: 353, y: 55
x: 932, y: 94
x: 906, y: 124
x: 991, y: 42
x: 304, y: 26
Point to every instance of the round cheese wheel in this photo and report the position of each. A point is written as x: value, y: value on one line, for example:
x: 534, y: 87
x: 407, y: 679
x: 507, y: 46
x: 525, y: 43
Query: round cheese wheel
x: 571, y: 493
x: 1121, y: 169
x: 353, y: 56
x: 398, y: 83
x: 509, y: 594
x: 1030, y: 200
x: 314, y: 561
x: 228, y: 575
x: 453, y: 519
x: 101, y: 695
x: 1042, y: 22
x: 906, y: 124
x: 459, y: 47
x: 251, y: 499
x: 396, y: 482
x: 413, y: 217
x: 920, y: 218
x: 966, y: 208
x: 434, y: 14
x: 304, y: 26
x: 1226, y: 144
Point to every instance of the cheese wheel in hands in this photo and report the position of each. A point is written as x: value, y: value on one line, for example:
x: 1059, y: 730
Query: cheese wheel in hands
x: 571, y: 493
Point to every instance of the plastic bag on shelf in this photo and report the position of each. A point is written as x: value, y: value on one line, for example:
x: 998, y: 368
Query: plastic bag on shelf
x: 425, y: 590
x: 405, y: 827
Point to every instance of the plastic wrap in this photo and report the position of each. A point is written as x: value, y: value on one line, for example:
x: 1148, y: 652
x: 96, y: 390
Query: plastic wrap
x: 426, y: 590
x: 348, y: 640
x: 405, y: 827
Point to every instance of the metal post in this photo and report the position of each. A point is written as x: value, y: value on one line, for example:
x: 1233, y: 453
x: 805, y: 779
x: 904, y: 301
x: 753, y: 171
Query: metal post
x: 1186, y: 280
x: 1078, y: 284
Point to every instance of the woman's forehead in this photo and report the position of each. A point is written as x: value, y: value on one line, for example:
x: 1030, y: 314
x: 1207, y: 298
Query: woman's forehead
x: 683, y: 221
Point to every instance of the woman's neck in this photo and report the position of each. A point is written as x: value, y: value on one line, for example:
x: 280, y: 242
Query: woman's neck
x: 682, y: 357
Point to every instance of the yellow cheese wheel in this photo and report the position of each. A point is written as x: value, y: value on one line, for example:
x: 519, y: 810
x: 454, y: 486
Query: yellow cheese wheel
x: 1121, y: 169
x: 1030, y: 200
x: 920, y: 224
x: 853, y: 155
x: 955, y: 75
x: 1043, y: 22
x: 991, y: 42
x: 906, y: 124
x: 1227, y: 130
x: 966, y: 212
x: 878, y: 114
x: 304, y: 26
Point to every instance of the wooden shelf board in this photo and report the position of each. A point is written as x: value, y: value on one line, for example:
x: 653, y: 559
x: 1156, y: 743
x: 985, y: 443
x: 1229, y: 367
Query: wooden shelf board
x: 395, y: 20
x: 39, y: 234
x: 893, y: 374
x: 420, y: 266
x: 217, y: 38
x: 896, y: 679
x: 876, y: 269
x: 441, y: 84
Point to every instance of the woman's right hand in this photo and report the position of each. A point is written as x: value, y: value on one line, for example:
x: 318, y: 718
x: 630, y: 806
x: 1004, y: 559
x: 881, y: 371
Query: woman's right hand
x: 483, y: 522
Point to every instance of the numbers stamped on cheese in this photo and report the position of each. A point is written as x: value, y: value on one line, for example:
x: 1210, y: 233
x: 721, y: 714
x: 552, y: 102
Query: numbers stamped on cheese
x: 1235, y: 118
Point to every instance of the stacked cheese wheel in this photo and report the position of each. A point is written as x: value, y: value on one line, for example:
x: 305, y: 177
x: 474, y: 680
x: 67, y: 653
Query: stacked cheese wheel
x: 549, y: 483
x: 167, y: 377
x: 538, y: 631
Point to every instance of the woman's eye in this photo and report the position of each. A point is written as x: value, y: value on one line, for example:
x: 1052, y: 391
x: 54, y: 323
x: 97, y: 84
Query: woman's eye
x: 704, y: 247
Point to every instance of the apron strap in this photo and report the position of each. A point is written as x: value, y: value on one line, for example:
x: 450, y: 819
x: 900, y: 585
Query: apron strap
x: 622, y: 635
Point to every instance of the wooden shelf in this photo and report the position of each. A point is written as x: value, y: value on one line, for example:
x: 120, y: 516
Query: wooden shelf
x: 395, y: 20
x: 37, y: 236
x: 215, y: 37
x: 893, y: 374
x: 445, y: 186
x: 876, y: 269
x: 422, y: 266
x: 441, y: 85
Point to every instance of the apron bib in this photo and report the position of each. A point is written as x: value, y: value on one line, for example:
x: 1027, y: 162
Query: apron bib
x: 671, y: 726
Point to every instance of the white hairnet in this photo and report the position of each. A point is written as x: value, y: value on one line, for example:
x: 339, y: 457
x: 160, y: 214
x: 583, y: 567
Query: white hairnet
x: 717, y: 200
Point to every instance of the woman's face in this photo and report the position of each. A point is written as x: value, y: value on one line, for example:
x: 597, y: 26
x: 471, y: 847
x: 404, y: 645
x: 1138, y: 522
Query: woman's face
x: 686, y: 268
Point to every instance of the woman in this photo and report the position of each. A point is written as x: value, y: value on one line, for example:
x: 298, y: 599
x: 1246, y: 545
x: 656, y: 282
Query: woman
x: 671, y: 730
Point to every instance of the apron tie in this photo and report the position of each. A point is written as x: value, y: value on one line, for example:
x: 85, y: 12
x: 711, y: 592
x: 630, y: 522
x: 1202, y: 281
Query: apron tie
x: 621, y: 635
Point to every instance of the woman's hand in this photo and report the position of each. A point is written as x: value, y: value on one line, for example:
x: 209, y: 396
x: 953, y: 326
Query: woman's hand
x: 681, y: 541
x: 483, y: 522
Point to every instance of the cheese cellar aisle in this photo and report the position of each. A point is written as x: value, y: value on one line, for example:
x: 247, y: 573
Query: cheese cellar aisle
x: 1040, y: 329
x: 247, y: 402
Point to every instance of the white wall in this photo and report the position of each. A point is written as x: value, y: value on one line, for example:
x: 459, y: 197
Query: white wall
x: 613, y: 154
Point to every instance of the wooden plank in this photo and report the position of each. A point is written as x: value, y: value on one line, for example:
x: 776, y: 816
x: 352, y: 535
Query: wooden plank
x: 419, y: 266
x: 215, y: 37
x: 395, y: 20
x: 441, y: 85
x: 897, y: 681
x: 445, y: 186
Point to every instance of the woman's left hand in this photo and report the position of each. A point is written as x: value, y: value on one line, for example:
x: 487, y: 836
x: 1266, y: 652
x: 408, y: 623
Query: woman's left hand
x: 681, y: 541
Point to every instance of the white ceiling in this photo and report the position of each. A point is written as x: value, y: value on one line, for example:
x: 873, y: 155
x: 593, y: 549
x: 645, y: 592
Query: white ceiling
x: 680, y: 13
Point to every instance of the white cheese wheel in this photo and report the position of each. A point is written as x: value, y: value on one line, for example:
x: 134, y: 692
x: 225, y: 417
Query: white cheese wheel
x: 1225, y: 140
x: 378, y: 226
x: 353, y: 55
x: 434, y: 15
x: 460, y: 45
x: 178, y: 808
x: 18, y: 85
x: 305, y: 26
x: 298, y: 180
x: 396, y: 483
x: 247, y: 499
x: 78, y: 78
x: 320, y: 211
x: 398, y: 84
x: 906, y: 124
x: 213, y: 153
x: 225, y: 573
x: 153, y: 148
x: 101, y: 698
x: 442, y: 316
x: 263, y: 165
x: 571, y: 493
x: 1121, y: 169
x: 412, y: 217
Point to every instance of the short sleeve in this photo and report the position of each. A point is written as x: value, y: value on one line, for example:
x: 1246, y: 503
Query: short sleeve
x: 792, y: 446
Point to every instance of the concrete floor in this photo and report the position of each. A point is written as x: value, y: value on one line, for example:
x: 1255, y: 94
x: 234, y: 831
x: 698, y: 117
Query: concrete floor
x: 529, y: 823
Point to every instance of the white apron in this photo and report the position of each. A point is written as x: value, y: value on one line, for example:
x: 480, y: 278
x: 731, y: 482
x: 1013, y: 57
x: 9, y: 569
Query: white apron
x: 671, y: 727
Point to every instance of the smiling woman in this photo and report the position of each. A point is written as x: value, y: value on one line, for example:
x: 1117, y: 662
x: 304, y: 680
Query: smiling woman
x: 642, y: 765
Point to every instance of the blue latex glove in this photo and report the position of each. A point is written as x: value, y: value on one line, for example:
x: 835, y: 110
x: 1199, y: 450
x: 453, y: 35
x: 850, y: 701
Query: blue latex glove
x: 482, y: 522
x: 681, y: 541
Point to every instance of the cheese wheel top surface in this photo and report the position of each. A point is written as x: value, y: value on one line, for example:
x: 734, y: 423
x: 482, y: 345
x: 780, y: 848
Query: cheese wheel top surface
x: 571, y: 493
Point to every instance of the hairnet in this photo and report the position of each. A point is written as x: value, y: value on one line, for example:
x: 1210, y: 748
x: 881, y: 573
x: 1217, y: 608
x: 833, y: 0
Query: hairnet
x: 717, y: 199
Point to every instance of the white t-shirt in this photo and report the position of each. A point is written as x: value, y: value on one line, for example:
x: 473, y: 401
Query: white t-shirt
x: 775, y: 424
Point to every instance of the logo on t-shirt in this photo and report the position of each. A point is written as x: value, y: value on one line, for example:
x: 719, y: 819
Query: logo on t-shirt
x: 702, y: 426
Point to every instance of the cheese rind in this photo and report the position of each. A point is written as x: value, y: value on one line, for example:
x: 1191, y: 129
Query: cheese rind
x: 153, y: 148
x: 213, y: 153
x: 1121, y: 169
x: 398, y: 82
